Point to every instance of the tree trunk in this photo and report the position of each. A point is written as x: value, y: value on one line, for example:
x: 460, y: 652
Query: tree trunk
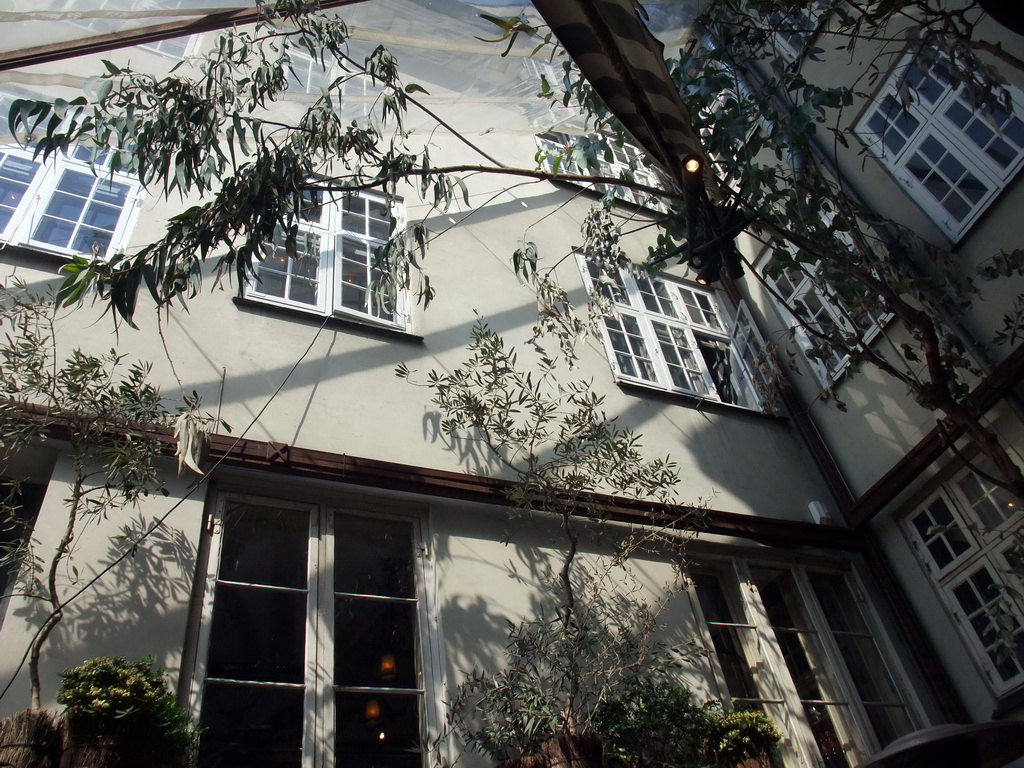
x: 567, y: 750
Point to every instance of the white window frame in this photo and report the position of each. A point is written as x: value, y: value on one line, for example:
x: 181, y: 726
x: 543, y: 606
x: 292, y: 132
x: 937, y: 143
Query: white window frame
x: 908, y: 96
x: 31, y: 208
x: 972, y: 544
x: 792, y: 29
x: 659, y: 342
x: 806, y: 289
x: 626, y: 162
x: 319, y: 705
x: 334, y: 241
x: 756, y: 644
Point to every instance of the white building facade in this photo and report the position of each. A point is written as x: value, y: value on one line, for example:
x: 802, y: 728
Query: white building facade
x: 342, y: 564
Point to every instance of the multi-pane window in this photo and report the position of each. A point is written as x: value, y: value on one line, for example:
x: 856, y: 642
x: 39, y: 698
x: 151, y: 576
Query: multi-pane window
x: 558, y: 155
x: 953, y: 154
x: 792, y: 28
x: 673, y: 336
x: 21, y: 504
x: 331, y: 266
x: 818, y: 312
x: 796, y: 643
x: 311, y: 643
x: 70, y: 204
x: 815, y: 312
x: 967, y: 537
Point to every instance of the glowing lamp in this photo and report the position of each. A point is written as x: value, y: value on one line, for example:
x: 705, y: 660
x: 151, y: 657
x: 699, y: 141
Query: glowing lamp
x: 388, y: 666
x: 372, y: 712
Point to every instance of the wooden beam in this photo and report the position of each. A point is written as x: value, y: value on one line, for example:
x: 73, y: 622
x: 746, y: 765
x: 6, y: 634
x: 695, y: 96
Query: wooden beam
x: 374, y: 473
x: 997, y: 385
x: 306, y: 463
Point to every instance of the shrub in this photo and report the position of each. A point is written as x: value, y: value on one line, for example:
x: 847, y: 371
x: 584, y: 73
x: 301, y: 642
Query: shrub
x: 654, y: 724
x: 117, y: 697
x: 657, y: 725
x: 739, y: 735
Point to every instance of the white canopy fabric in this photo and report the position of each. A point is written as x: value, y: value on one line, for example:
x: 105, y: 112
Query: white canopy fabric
x: 437, y: 43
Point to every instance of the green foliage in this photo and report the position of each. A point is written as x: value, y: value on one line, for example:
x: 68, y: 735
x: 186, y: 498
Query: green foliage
x: 654, y: 724
x: 657, y: 725
x: 105, y: 404
x: 204, y: 129
x: 107, y: 689
x: 739, y: 734
x: 554, y: 435
x: 607, y: 652
x: 111, y: 417
x: 563, y: 451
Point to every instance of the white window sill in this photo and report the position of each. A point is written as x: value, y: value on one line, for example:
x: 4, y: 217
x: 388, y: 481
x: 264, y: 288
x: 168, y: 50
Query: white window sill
x: 693, y: 401
x: 338, y: 321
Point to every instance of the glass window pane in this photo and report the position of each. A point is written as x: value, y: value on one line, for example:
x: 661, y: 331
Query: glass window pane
x: 265, y: 545
x: 959, y: 115
x: 379, y: 228
x: 76, y: 183
x: 353, y: 218
x: 727, y: 640
x: 354, y: 298
x: 18, y: 169
x: 781, y: 600
x: 375, y: 644
x: 308, y: 265
x: 378, y: 730
x: 919, y: 166
x: 932, y: 149
x: 251, y: 727
x: 977, y: 131
x: 101, y: 216
x: 88, y: 240
x: 830, y: 747
x: 271, y: 283
x: 54, y: 231
x: 303, y: 291
x: 112, y: 193
x: 951, y: 168
x: 804, y: 657
x: 373, y: 556
x: 861, y: 655
x: 1001, y: 152
x: 65, y: 206
x: 957, y: 207
x: 257, y: 634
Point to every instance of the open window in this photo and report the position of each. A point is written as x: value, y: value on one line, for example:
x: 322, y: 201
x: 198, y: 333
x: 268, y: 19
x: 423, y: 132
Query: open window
x: 670, y: 335
x: 799, y: 644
